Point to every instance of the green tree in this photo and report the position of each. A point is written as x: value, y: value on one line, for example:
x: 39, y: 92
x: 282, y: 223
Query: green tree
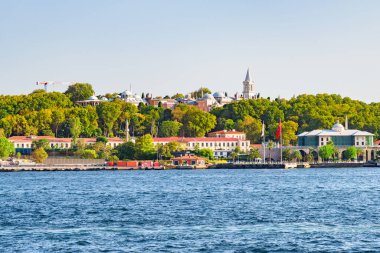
x: 6, y: 148
x: 41, y: 143
x: 205, y: 152
x: 39, y: 155
x: 79, y: 91
x: 145, y: 148
x: 88, y: 154
x: 289, y: 131
x: 75, y: 128
x: 252, y: 127
x: 57, y: 118
x: 254, y: 154
x: 178, y: 95
x: 197, y: 123
x: 175, y: 146
x: 201, y: 91
x: 351, y: 153
x: 127, y: 150
x: 326, y: 152
x: 296, y: 155
x: 164, y: 151
x: 102, y: 139
x: 102, y: 150
x: 169, y: 128
x: 108, y: 114
x: 234, y: 155
x: 286, y: 154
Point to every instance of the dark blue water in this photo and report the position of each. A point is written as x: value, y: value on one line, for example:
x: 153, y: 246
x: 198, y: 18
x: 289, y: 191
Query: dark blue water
x: 311, y: 210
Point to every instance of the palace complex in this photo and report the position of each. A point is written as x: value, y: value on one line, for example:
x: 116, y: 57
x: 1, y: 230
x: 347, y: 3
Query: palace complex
x: 205, y: 103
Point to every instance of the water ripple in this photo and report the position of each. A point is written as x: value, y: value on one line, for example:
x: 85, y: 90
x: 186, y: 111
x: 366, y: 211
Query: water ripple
x: 314, y: 210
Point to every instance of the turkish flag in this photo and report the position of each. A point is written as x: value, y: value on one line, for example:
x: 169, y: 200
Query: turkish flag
x: 278, y: 132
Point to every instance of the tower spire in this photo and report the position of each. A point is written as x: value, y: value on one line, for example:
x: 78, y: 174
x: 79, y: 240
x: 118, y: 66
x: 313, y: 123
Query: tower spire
x: 248, y: 92
x: 247, y: 77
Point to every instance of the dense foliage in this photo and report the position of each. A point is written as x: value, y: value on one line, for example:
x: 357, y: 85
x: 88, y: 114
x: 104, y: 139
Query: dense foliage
x: 6, y: 148
x: 299, y: 114
x: 54, y: 114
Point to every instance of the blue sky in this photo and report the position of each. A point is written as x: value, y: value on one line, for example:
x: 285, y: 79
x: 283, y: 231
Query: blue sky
x: 165, y: 46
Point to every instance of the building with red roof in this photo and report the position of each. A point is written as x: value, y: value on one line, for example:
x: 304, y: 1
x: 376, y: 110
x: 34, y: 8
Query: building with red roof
x: 222, y: 146
x: 188, y: 160
x: 24, y: 144
x: 228, y: 134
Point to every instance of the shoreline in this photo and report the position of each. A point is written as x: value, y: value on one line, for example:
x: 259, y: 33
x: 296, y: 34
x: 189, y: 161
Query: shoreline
x: 77, y: 167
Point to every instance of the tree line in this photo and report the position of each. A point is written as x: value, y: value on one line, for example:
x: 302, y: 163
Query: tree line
x: 58, y: 114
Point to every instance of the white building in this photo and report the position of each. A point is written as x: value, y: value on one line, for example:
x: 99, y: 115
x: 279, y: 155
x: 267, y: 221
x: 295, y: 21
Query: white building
x: 338, y: 135
x: 222, y: 147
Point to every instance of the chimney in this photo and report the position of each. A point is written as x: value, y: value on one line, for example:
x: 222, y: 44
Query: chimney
x: 346, y: 123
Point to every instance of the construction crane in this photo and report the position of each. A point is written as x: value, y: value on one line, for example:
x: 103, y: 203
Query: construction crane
x: 46, y: 83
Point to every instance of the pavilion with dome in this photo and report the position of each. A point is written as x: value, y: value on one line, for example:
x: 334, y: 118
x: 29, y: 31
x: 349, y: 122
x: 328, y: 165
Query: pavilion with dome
x: 342, y: 137
x: 338, y: 134
x: 92, y: 101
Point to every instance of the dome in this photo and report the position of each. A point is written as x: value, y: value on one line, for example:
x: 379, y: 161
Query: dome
x: 127, y: 93
x: 219, y: 94
x: 93, y: 98
x: 338, y: 127
x: 208, y: 96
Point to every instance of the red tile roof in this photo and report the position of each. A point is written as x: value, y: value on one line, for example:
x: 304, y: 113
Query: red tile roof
x: 188, y: 157
x: 192, y: 139
x: 226, y: 132
x: 377, y: 142
x: 54, y: 139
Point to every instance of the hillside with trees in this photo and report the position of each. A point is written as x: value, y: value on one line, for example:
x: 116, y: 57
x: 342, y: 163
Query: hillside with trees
x: 57, y: 114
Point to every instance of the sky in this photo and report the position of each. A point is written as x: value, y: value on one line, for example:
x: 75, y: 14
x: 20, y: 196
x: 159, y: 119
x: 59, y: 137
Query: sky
x: 163, y: 47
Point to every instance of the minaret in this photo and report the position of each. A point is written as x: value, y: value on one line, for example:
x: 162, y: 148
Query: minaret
x: 248, y: 87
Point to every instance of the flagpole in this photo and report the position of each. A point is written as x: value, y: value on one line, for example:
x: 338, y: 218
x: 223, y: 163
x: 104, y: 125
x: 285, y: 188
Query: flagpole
x: 281, y: 140
x: 263, y: 130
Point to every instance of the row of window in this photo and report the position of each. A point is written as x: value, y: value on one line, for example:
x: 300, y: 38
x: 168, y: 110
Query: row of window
x: 220, y: 144
x: 52, y: 145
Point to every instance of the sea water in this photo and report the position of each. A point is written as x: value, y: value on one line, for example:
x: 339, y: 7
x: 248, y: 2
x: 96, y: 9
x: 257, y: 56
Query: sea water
x: 307, y: 210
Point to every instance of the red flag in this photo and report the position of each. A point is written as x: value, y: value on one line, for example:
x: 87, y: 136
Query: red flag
x: 278, y: 132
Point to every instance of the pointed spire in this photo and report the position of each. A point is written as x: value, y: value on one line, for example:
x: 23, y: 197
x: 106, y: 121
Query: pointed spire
x: 247, y: 77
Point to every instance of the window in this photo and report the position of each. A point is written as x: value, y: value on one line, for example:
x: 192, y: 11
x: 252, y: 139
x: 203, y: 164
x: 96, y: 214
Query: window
x: 18, y: 145
x: 67, y: 145
x: 22, y: 145
x: 203, y: 144
x: 363, y: 143
x: 322, y: 139
x: 206, y: 144
x: 357, y: 143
